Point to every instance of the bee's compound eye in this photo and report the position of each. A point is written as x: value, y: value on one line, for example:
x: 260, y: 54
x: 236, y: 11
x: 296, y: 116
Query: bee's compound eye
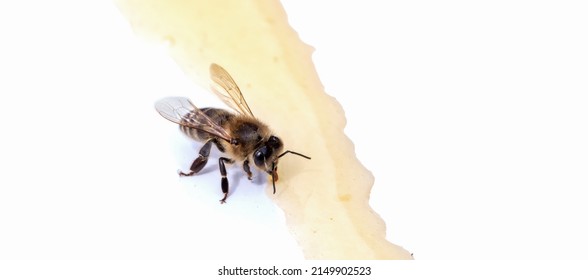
x: 260, y: 155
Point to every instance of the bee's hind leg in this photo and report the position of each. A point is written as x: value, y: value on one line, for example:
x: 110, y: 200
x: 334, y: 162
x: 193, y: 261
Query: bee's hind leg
x: 199, y: 162
x: 224, y: 180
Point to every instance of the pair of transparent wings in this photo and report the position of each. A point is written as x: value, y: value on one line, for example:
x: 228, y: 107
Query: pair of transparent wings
x: 183, y: 112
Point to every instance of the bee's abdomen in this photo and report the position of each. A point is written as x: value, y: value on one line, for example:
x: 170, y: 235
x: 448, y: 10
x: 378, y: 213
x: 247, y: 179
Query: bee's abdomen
x: 193, y: 133
x: 219, y: 116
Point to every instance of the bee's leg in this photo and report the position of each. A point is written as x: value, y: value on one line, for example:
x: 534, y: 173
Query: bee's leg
x: 247, y: 170
x: 218, y: 145
x: 224, y: 180
x: 199, y: 162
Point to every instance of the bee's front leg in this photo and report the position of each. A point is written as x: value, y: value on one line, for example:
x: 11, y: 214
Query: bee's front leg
x: 224, y: 180
x: 246, y: 168
x: 199, y: 162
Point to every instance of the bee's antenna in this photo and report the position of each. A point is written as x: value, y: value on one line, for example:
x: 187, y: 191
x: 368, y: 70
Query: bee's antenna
x: 273, y: 179
x: 274, y: 166
x: 298, y: 154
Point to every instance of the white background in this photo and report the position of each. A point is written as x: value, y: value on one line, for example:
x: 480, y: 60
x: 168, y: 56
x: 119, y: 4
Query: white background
x: 472, y: 118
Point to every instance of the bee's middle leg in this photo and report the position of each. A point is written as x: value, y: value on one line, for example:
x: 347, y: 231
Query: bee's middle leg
x: 224, y: 180
x: 199, y: 162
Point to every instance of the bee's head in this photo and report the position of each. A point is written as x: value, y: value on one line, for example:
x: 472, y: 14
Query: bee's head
x: 267, y: 155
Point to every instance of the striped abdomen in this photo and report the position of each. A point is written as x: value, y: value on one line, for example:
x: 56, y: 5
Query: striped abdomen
x: 220, y: 118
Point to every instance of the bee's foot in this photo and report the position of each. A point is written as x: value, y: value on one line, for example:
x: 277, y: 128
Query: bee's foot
x: 224, y: 200
x: 185, y: 174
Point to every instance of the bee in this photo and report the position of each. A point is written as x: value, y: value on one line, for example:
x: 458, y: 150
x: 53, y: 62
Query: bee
x: 241, y: 136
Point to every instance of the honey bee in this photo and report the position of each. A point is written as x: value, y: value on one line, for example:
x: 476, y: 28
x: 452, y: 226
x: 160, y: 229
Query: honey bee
x: 242, y: 137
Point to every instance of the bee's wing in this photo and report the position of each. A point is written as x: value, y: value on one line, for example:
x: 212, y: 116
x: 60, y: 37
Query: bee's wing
x: 225, y: 87
x: 181, y: 111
